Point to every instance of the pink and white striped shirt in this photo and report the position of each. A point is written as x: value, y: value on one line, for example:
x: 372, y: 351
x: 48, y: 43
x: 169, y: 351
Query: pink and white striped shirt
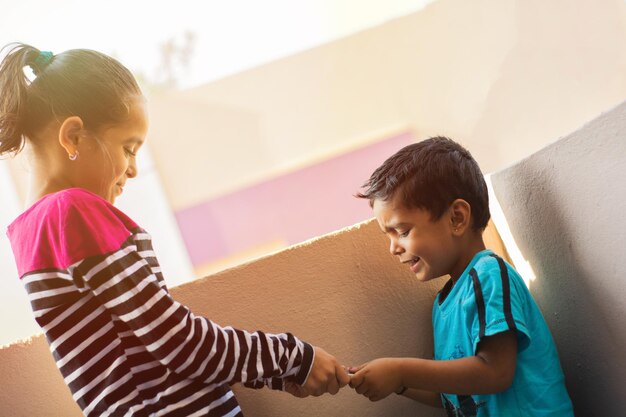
x: 122, y: 344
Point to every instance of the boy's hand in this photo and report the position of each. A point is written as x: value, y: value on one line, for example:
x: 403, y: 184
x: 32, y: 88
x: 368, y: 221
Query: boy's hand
x: 376, y: 379
x: 327, y: 375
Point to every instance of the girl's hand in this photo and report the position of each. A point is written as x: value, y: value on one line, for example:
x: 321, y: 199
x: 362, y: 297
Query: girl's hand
x: 295, y: 389
x: 377, y: 379
x: 327, y: 375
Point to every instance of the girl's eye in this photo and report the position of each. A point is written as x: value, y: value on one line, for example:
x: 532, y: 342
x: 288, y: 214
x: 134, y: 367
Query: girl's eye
x: 129, y: 152
x: 404, y: 234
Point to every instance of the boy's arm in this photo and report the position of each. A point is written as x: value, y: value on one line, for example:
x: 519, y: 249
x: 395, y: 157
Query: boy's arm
x: 491, y: 370
x: 425, y: 397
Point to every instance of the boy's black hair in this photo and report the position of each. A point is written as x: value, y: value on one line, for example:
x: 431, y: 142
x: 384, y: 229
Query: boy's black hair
x: 430, y: 175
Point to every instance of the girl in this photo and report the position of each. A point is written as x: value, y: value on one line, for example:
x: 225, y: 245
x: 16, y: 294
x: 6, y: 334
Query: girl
x: 122, y: 344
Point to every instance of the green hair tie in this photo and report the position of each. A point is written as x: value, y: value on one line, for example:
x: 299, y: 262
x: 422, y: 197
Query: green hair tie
x: 42, y: 61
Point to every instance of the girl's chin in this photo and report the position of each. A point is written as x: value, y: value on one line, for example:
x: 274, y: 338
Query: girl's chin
x: 110, y: 197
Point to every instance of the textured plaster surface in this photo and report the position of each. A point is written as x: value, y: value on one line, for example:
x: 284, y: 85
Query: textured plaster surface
x: 565, y: 207
x: 343, y: 292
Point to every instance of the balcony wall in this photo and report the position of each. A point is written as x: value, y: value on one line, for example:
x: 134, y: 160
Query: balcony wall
x: 342, y: 291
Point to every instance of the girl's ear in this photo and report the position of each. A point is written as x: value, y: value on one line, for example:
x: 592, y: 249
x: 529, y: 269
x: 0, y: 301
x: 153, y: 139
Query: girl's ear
x: 70, y: 133
x: 460, y: 216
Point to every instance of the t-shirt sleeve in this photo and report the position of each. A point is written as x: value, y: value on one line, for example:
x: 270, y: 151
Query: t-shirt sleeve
x: 499, y: 302
x: 64, y: 229
x: 89, y: 228
x: 191, y: 346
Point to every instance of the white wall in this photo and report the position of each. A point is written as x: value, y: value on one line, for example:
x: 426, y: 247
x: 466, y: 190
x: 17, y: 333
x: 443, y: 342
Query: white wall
x: 566, y: 207
x: 145, y: 202
x: 16, y: 319
x: 503, y: 77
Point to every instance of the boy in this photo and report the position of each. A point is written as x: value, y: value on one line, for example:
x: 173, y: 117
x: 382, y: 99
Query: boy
x: 493, y: 354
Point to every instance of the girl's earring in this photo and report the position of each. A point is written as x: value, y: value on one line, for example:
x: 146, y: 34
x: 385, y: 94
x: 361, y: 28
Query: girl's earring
x: 73, y: 157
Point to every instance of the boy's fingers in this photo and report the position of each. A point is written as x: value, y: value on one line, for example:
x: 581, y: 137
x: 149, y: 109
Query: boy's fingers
x: 355, y: 381
x: 355, y: 369
x: 359, y: 385
x: 358, y: 377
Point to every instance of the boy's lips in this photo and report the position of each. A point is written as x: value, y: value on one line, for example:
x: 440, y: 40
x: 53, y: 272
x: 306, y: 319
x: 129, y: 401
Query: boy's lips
x: 413, y: 263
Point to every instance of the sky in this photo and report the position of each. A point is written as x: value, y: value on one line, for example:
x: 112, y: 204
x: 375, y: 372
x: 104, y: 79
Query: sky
x: 230, y: 36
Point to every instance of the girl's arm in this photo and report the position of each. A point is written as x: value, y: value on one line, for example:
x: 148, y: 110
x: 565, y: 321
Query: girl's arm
x: 491, y: 370
x: 112, y: 262
x: 193, y: 346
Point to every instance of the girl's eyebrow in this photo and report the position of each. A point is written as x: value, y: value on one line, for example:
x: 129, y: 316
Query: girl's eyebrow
x: 134, y: 139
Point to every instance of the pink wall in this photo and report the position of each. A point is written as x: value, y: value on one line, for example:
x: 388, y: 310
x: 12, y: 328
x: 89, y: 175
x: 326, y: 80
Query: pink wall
x: 290, y: 208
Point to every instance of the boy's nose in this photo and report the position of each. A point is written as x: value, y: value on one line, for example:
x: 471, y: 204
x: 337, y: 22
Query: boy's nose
x: 395, y: 249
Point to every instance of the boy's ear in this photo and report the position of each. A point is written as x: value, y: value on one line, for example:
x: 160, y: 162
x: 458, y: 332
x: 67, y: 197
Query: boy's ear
x: 460, y: 216
x: 70, y: 133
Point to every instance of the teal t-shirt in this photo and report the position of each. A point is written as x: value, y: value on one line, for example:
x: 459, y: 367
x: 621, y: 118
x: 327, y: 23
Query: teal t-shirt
x: 489, y: 298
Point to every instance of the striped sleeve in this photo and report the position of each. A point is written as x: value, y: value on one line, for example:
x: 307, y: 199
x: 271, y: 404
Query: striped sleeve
x: 499, y: 303
x: 191, y: 346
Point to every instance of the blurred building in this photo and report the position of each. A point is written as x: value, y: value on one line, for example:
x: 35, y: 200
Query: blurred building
x: 272, y: 156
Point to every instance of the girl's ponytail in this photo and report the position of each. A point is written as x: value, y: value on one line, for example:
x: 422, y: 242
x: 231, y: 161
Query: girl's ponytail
x: 78, y: 82
x: 13, y: 94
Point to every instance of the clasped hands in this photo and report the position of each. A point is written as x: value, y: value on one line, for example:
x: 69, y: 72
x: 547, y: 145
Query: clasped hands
x: 374, y: 380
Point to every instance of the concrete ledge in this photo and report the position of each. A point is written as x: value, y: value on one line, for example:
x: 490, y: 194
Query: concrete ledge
x: 343, y: 292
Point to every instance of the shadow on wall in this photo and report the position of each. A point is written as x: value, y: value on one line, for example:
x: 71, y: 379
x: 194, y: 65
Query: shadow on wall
x: 564, y: 206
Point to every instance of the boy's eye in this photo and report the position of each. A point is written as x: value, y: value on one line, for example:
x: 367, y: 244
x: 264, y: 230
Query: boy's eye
x: 404, y: 234
x: 129, y: 152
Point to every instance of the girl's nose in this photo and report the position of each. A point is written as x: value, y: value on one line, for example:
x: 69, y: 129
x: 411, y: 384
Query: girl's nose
x: 131, y: 171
